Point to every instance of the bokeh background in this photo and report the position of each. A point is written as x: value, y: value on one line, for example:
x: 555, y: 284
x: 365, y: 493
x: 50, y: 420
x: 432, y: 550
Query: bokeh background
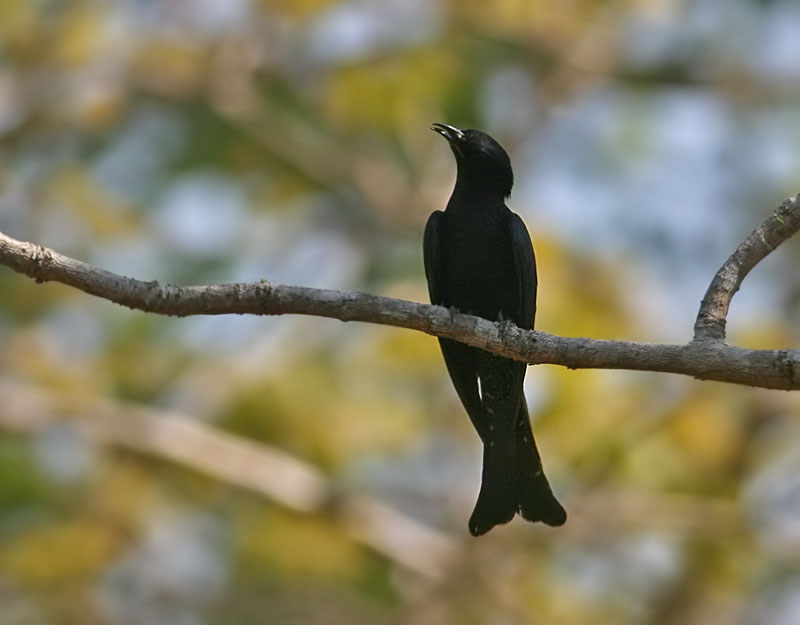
x: 301, y: 470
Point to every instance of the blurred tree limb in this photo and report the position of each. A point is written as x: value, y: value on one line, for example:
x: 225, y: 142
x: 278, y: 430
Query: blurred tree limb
x: 706, y: 357
x: 255, y: 467
x: 299, y: 486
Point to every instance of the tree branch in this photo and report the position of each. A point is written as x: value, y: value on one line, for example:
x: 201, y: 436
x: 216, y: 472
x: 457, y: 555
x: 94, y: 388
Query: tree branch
x: 258, y: 468
x: 706, y: 357
x: 299, y: 486
x: 778, y: 227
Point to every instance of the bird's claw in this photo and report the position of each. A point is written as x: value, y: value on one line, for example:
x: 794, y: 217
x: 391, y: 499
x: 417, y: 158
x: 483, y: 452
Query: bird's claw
x: 506, y: 325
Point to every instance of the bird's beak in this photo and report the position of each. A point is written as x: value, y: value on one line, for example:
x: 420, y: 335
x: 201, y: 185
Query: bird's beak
x: 453, y: 135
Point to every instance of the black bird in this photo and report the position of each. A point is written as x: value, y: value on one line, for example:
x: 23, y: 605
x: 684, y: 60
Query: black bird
x: 479, y: 260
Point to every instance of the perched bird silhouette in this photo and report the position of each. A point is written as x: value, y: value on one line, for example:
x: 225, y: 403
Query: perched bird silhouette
x: 479, y: 260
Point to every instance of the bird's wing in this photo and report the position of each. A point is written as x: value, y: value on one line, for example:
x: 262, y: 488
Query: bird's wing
x: 525, y: 267
x: 431, y: 249
x: 459, y: 358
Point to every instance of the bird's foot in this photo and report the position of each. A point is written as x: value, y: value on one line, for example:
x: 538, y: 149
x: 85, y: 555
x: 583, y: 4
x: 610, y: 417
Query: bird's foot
x: 506, y: 325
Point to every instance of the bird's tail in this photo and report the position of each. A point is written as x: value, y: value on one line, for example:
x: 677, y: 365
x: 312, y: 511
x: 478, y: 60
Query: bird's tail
x: 513, y: 482
x: 536, y: 499
x: 497, y: 502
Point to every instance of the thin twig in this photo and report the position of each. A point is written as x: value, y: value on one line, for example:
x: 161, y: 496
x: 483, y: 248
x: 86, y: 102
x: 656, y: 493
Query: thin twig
x: 778, y: 227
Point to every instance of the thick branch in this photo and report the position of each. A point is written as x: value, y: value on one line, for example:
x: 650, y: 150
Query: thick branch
x: 702, y: 358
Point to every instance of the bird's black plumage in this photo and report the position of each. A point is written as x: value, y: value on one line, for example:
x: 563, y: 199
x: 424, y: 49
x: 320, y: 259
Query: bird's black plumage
x: 479, y: 260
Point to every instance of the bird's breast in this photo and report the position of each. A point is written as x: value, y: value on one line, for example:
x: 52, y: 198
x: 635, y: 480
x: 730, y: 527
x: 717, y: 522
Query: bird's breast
x: 479, y: 266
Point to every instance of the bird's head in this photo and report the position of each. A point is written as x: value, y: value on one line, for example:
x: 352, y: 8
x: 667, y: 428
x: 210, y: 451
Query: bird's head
x: 480, y: 158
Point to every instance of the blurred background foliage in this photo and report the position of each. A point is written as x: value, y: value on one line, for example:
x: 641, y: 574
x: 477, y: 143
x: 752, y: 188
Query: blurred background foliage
x: 238, y: 140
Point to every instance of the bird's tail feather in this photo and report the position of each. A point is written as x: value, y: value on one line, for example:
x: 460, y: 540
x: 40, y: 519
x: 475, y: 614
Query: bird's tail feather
x: 497, y: 500
x: 513, y: 482
x: 536, y: 499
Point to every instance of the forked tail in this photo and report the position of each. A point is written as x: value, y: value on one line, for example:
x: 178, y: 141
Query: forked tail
x: 513, y: 482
